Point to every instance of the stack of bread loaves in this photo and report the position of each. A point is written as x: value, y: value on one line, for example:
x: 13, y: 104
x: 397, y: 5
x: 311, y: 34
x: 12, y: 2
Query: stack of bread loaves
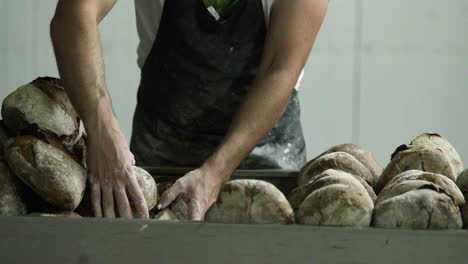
x: 417, y: 189
x: 335, y: 188
x: 47, y: 152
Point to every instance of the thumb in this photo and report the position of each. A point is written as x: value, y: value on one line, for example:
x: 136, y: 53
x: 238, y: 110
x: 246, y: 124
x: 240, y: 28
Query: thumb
x: 169, y: 195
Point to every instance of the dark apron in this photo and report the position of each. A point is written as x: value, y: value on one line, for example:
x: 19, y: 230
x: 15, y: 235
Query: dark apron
x: 193, y: 81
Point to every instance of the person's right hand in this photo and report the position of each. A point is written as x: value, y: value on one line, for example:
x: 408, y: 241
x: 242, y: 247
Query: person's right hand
x: 111, y: 174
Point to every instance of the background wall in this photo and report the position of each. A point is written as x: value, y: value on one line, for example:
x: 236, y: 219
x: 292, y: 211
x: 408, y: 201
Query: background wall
x: 380, y: 73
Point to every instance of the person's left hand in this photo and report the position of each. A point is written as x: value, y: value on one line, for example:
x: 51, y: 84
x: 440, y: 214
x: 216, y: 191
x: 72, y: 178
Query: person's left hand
x: 199, y: 188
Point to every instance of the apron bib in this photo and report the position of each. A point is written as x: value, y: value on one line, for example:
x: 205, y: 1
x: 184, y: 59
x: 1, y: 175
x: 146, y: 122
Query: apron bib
x: 194, y: 79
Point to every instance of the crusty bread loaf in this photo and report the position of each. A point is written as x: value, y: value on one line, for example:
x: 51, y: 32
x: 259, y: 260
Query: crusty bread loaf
x: 418, y: 209
x: 250, y: 201
x: 361, y: 154
x: 12, y: 200
x: 55, y: 214
x: 335, y: 198
x: 297, y: 196
x: 462, y: 183
x: 148, y: 186
x: 42, y: 105
x: 416, y: 179
x: 434, y: 140
x: 166, y: 215
x: 408, y: 157
x: 337, y: 161
x: 50, y: 172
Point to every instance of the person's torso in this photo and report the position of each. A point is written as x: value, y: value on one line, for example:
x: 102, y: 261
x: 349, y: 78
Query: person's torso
x: 148, y: 19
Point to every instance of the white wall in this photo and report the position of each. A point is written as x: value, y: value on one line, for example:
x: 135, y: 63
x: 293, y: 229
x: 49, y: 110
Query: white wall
x: 381, y: 72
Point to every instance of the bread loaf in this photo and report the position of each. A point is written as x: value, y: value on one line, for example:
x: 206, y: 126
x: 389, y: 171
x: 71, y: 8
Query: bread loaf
x: 462, y: 183
x: 12, y: 200
x: 42, y: 105
x: 336, y: 198
x: 297, y: 196
x: 424, y: 208
x: 434, y: 140
x: 166, y: 215
x: 56, y: 213
x: 337, y: 161
x: 408, y: 157
x: 50, y: 172
x: 364, y: 156
x: 148, y: 186
x: 415, y: 179
x: 250, y: 201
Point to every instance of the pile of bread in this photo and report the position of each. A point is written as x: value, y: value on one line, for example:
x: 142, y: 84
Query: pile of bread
x: 43, y: 172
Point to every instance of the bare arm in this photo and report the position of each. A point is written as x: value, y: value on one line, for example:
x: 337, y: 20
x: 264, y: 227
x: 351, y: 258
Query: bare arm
x: 292, y: 32
x: 77, y: 46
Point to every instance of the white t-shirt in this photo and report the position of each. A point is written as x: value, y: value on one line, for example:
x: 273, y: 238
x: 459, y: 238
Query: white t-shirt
x: 148, y: 17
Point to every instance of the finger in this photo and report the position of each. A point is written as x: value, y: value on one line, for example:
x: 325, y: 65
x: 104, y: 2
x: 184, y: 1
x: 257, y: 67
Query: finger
x: 196, y: 212
x: 137, y: 199
x: 96, y: 199
x: 170, y: 195
x: 122, y: 202
x: 108, y: 201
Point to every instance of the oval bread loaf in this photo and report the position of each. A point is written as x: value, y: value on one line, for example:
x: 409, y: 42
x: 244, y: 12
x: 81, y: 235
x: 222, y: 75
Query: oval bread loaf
x: 12, y: 201
x: 337, y: 161
x: 407, y: 157
x: 250, y: 201
x: 42, y: 104
x: 415, y: 179
x: 148, y: 186
x: 462, y: 182
x: 418, y: 209
x: 296, y: 196
x: 338, y: 199
x: 51, y: 173
x: 434, y: 140
x: 361, y: 154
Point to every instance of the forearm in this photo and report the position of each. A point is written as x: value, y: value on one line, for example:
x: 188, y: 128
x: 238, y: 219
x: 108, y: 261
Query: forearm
x: 292, y: 31
x: 77, y: 46
x: 263, y: 107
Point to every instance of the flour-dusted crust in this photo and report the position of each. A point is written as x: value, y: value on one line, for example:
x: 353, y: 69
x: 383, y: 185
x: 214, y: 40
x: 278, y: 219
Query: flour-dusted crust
x: 250, y: 201
x: 48, y: 171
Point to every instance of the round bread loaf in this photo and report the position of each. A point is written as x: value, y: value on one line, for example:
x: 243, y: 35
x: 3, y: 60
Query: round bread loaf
x: 434, y: 140
x: 42, y: 105
x: 338, y: 199
x: 56, y: 213
x: 12, y: 201
x: 166, y: 215
x: 297, y: 196
x: 462, y: 181
x: 148, y: 186
x: 418, y: 209
x: 50, y: 172
x: 361, y: 154
x: 407, y: 157
x: 250, y: 201
x: 416, y: 179
x: 337, y: 161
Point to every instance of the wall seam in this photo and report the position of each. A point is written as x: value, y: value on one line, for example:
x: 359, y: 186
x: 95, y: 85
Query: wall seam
x: 356, y: 83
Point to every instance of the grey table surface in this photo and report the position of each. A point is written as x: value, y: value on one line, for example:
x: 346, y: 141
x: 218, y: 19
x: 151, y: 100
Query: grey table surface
x: 92, y: 240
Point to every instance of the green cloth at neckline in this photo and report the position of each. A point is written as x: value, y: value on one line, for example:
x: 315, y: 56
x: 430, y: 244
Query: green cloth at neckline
x: 222, y: 7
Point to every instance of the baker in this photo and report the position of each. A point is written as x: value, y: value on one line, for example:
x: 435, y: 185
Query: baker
x: 218, y: 91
